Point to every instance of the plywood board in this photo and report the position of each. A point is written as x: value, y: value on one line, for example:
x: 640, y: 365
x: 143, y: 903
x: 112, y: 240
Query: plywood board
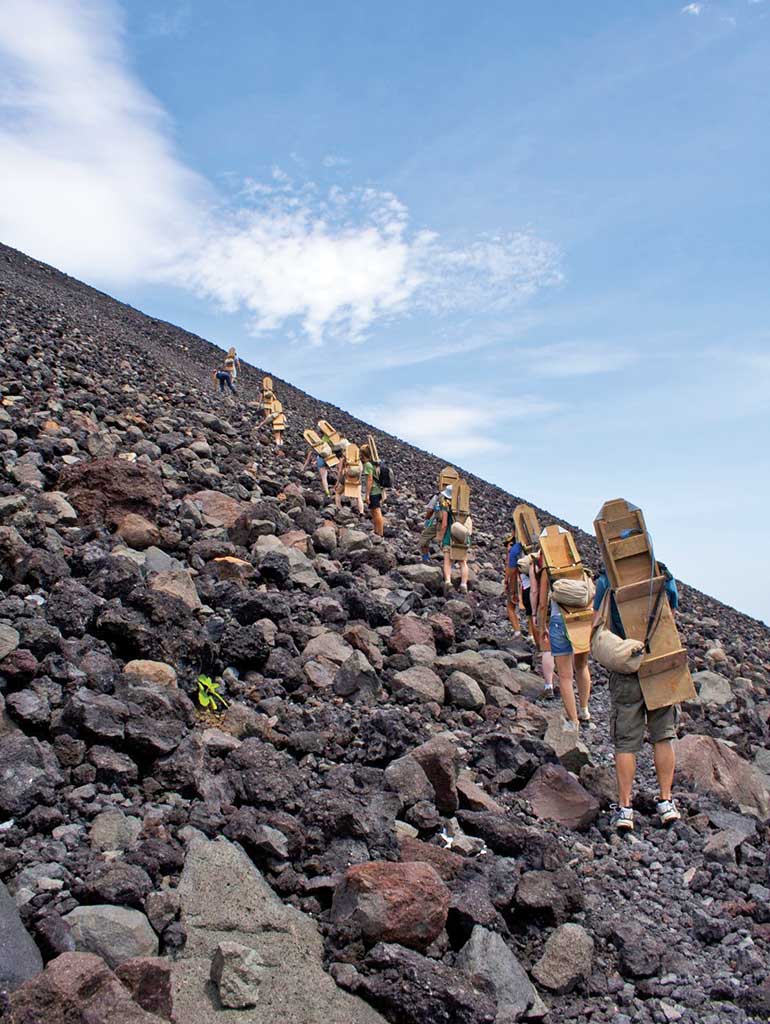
x: 527, y: 527
x: 353, y: 472
x: 334, y: 435
x: 448, y: 477
x: 637, y: 581
x: 562, y: 561
x: 461, y: 499
x: 317, y: 444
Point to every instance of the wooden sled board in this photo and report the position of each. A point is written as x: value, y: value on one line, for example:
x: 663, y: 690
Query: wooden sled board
x: 563, y: 562
x: 317, y: 444
x: 527, y: 527
x: 352, y: 484
x: 461, y: 498
x: 334, y: 435
x: 448, y: 477
x: 636, y: 579
x: 373, y: 448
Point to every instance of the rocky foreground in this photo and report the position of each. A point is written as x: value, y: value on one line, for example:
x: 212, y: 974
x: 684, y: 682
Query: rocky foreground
x: 383, y: 823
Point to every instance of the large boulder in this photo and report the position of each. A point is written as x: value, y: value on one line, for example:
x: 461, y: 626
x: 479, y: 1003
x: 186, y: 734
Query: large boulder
x: 223, y: 897
x: 711, y: 766
x: 113, y: 933
x: 712, y: 688
x: 106, y: 490
x: 555, y: 794
x: 486, y: 957
x: 566, y: 959
x: 418, y: 684
x: 218, y: 509
x: 405, y: 903
x: 20, y: 958
x: 77, y: 988
x: 440, y: 761
x: 409, y: 630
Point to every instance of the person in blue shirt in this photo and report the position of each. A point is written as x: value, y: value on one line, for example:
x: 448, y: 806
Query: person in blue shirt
x: 629, y: 716
x: 519, y: 590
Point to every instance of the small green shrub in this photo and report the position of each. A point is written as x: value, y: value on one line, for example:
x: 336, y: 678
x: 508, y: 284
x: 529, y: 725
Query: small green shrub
x: 208, y: 694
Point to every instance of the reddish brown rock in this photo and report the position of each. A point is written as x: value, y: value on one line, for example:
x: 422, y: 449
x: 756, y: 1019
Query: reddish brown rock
x: 713, y: 767
x: 138, y: 532
x: 230, y: 568
x: 443, y: 630
x: 439, y: 760
x: 405, y: 903
x: 109, y: 489
x: 555, y: 794
x: 409, y: 630
x: 76, y: 988
x: 446, y: 863
x: 474, y: 798
x: 218, y: 509
x: 148, y: 979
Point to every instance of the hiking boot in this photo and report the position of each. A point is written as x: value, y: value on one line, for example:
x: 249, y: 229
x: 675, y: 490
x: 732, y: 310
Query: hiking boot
x: 464, y: 588
x: 623, y: 819
x: 667, y: 812
x: 548, y: 693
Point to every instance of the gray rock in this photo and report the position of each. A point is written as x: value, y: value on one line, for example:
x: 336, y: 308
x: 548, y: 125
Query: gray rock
x: 464, y: 692
x: 566, y: 744
x: 113, y: 830
x: 20, y: 958
x: 115, y: 934
x: 224, y: 898
x: 237, y: 971
x: 485, y: 956
x: 566, y: 959
x: 356, y: 678
x: 9, y: 640
x: 712, y: 688
x: 419, y: 684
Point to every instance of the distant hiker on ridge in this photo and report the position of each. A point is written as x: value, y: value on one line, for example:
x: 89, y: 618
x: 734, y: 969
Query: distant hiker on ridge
x: 225, y: 379
x: 232, y: 363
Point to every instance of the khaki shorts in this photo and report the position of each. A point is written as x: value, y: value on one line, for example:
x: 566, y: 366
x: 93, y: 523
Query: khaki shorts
x: 427, y: 536
x: 629, y: 715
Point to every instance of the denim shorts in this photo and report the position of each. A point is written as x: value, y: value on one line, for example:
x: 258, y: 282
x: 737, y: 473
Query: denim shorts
x: 557, y: 633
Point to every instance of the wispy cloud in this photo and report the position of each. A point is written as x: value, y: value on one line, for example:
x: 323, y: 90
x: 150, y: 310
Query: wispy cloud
x: 332, y: 160
x: 694, y: 8
x: 455, y: 423
x: 91, y: 182
x: 171, y: 20
x: 575, y: 359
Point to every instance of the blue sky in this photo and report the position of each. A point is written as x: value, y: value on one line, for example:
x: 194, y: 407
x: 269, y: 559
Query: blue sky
x: 530, y: 237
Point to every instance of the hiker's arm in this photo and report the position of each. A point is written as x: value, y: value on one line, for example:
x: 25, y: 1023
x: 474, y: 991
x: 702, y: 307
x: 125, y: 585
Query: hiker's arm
x: 534, y: 594
x: 369, y: 481
x: 306, y: 463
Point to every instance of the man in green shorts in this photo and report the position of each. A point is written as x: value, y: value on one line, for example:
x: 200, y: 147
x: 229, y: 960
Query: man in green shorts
x: 374, y: 493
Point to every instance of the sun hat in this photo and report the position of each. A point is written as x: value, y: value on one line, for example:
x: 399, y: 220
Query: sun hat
x: 447, y: 492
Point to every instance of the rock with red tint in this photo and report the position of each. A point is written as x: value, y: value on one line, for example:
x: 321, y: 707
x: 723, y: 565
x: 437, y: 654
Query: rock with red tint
x: 76, y: 988
x: 138, y: 532
x: 106, y: 490
x: 218, y: 509
x: 148, y: 979
x: 447, y: 864
x: 712, y: 767
x: 439, y: 760
x: 443, y: 630
x: 556, y: 795
x: 409, y: 630
x: 405, y: 903
x: 475, y: 798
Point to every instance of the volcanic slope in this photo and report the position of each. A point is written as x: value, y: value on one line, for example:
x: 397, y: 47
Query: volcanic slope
x: 383, y: 761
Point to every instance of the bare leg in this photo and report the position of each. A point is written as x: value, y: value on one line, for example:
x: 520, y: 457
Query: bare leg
x: 337, y: 498
x: 547, y: 665
x: 665, y: 762
x: 566, y: 673
x: 625, y: 770
x: 513, y: 616
x: 447, y: 568
x: 360, y: 501
x: 464, y: 573
x: 378, y: 522
x: 323, y: 472
x: 583, y: 679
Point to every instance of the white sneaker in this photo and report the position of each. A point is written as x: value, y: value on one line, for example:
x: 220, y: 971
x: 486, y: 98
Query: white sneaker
x: 623, y: 819
x: 584, y: 717
x: 667, y: 811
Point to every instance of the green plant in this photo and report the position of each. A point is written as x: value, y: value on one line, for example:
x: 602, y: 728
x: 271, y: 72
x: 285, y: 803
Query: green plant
x: 208, y: 693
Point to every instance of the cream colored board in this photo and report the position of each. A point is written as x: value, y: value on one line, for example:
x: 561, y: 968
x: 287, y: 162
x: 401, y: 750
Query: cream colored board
x: 563, y: 562
x: 527, y: 527
x: 664, y: 674
x: 317, y: 444
x: 448, y: 477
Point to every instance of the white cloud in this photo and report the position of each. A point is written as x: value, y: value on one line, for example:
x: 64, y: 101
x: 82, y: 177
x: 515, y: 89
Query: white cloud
x: 91, y: 183
x: 695, y: 9
x: 454, y: 423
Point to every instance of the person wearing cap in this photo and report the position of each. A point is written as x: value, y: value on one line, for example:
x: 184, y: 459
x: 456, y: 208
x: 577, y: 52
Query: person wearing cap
x: 445, y: 533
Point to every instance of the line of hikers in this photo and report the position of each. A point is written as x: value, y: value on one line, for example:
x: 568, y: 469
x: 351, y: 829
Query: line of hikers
x: 555, y: 619
x: 528, y: 589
